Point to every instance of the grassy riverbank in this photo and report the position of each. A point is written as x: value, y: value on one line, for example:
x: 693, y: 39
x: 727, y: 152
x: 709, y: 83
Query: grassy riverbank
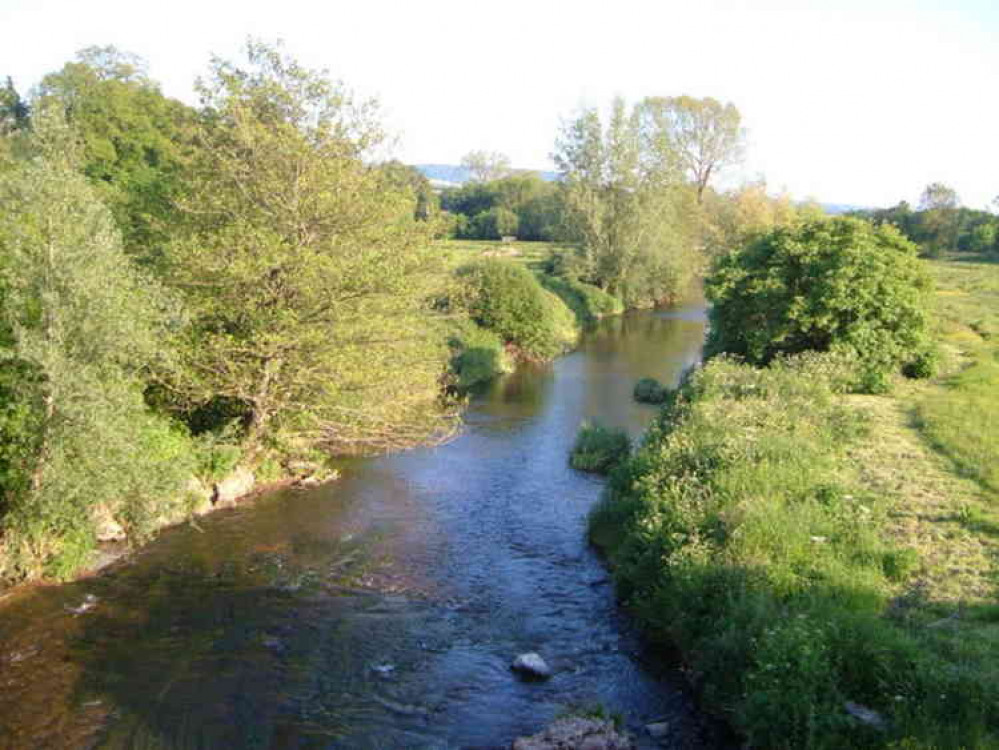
x: 814, y: 553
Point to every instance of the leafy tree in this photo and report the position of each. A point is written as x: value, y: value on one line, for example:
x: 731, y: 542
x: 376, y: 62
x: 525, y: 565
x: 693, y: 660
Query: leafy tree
x: 304, y: 269
x: 940, y: 222
x: 426, y: 204
x: 698, y: 136
x: 135, y: 141
x: 14, y: 111
x: 79, y: 325
x: 485, y: 166
x: 834, y: 284
x: 634, y: 233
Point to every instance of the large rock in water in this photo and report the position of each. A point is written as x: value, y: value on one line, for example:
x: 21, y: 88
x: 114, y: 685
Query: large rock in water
x: 531, y: 665
x: 576, y: 733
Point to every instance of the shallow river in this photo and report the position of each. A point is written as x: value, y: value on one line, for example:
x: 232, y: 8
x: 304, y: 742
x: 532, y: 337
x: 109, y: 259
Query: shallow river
x: 380, y: 611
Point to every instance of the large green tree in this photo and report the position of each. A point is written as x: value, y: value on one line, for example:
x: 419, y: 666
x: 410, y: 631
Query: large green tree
x: 633, y: 229
x: 701, y: 137
x: 78, y: 328
x: 135, y: 141
x: 304, y: 269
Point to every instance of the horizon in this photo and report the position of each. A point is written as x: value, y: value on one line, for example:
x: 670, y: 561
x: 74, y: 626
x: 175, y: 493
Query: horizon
x: 848, y: 105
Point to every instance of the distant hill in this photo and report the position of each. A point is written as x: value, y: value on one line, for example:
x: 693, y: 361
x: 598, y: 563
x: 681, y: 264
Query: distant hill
x: 453, y: 174
x: 841, y: 208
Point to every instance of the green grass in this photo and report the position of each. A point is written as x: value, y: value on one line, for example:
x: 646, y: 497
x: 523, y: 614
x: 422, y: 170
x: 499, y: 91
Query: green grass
x: 804, y: 547
x: 599, y: 449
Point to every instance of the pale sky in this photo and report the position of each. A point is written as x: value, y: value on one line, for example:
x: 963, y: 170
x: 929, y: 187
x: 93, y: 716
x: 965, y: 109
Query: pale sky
x: 851, y: 101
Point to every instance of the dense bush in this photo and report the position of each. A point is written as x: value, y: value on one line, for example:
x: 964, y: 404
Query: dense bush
x: 587, y: 302
x: 599, y: 449
x: 829, y: 284
x: 507, y: 299
x: 737, y: 533
x: 650, y: 391
x: 479, y: 355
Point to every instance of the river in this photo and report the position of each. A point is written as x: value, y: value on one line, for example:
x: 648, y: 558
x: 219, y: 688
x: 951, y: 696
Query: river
x: 380, y: 611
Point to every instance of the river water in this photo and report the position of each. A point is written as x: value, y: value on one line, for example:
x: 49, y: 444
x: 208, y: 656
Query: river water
x: 380, y: 611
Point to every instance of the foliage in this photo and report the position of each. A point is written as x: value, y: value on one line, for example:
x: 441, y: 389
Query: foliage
x: 626, y: 211
x: 304, y: 269
x: 650, y: 391
x: 532, y: 201
x: 485, y: 166
x: 599, y: 449
x: 81, y: 325
x: 587, y: 302
x: 135, y: 141
x: 823, y: 285
x: 739, y: 532
x: 507, y: 299
x: 700, y: 137
x: 479, y: 355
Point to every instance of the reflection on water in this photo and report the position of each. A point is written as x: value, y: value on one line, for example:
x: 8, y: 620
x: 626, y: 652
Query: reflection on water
x: 380, y: 612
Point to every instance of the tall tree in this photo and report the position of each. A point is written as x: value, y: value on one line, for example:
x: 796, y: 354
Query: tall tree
x: 940, y: 222
x: 14, y: 111
x: 79, y: 325
x: 700, y: 136
x: 630, y: 226
x: 304, y: 269
x: 135, y: 141
x: 484, y: 166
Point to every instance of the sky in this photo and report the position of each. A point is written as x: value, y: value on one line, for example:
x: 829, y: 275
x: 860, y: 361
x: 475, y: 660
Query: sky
x: 846, y: 101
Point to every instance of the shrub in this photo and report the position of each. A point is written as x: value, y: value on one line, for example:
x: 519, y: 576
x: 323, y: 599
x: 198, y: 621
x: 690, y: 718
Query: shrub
x: 479, y: 355
x: 599, y: 449
x: 834, y: 284
x: 587, y: 302
x: 508, y: 300
x: 650, y: 391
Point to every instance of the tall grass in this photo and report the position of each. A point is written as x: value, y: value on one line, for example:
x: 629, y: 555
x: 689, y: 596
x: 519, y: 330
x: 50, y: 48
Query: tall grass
x: 740, y: 533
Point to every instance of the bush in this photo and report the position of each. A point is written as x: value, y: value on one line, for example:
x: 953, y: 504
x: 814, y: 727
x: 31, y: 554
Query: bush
x: 479, y: 355
x: 650, y: 391
x: 599, y: 449
x: 587, y: 302
x: 508, y: 300
x: 835, y: 284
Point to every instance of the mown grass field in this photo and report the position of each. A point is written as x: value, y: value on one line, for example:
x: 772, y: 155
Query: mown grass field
x: 531, y: 254
x: 812, y: 551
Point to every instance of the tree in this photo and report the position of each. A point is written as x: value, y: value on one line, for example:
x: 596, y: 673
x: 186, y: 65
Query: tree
x: 940, y: 222
x: 485, y: 166
x: 304, y: 269
x: 633, y: 232
x: 14, y: 112
x: 79, y: 326
x: 699, y: 136
x: 135, y: 141
x: 832, y: 284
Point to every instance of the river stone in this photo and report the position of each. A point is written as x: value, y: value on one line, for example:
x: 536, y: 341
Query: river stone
x: 576, y: 733
x: 531, y: 665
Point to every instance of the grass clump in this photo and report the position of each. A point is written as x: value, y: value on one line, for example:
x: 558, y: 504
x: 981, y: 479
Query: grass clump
x: 599, y: 449
x: 650, y: 391
x: 743, y: 531
x: 508, y: 300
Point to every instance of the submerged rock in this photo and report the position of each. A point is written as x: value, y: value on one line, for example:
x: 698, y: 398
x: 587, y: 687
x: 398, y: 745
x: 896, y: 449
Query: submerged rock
x: 576, y: 733
x: 531, y: 665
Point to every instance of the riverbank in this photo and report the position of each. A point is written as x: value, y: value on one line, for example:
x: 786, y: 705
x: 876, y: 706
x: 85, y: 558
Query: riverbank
x: 826, y: 562
x: 383, y: 610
